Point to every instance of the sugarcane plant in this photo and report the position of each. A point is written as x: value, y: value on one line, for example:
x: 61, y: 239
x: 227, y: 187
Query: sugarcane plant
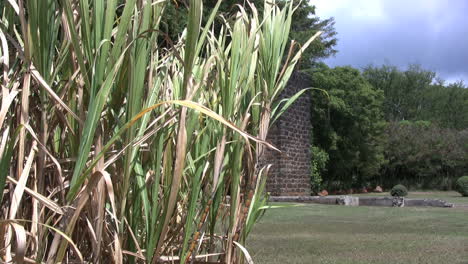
x: 121, y: 146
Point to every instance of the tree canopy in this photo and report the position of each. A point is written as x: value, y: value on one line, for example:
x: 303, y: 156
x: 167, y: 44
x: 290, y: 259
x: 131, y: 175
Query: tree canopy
x: 417, y: 94
x: 348, y: 125
x: 424, y: 155
x: 305, y: 23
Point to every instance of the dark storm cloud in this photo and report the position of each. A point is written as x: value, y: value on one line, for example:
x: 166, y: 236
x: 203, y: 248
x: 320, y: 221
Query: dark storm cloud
x: 433, y: 33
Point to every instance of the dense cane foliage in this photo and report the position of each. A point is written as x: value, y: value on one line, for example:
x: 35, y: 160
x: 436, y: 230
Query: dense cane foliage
x: 131, y: 150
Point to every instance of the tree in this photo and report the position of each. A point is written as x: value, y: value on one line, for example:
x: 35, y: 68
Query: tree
x: 446, y: 105
x: 305, y: 23
x: 403, y: 90
x: 424, y: 155
x: 348, y: 125
x: 417, y: 94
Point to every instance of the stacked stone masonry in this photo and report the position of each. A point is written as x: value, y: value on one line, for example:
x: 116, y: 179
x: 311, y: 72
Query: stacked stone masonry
x: 290, y: 171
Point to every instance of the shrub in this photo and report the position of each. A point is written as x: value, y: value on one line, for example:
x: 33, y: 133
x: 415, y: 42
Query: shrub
x: 399, y: 190
x: 461, y: 185
x: 319, y: 164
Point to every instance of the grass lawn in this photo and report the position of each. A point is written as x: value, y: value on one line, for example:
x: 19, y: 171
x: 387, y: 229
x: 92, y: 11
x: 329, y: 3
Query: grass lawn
x: 450, y: 196
x: 313, y: 233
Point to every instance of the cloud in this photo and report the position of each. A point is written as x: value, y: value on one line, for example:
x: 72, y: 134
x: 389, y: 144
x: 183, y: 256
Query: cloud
x: 433, y: 33
x: 369, y: 10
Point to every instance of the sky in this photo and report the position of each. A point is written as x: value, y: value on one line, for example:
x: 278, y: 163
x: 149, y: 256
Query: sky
x: 433, y: 33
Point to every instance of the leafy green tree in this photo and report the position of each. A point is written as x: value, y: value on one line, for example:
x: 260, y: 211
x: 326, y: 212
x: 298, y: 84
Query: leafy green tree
x: 305, y: 23
x: 424, y: 155
x: 417, y: 94
x: 348, y: 125
x: 446, y: 105
x: 403, y: 90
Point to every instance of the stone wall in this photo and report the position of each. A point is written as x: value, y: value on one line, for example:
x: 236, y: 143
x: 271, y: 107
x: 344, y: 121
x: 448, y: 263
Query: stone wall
x: 364, y: 201
x: 290, y: 173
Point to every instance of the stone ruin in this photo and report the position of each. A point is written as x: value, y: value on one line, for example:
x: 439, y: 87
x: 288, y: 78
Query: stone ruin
x: 291, y: 133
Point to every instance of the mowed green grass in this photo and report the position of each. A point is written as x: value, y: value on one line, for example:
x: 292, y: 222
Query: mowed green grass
x: 449, y: 196
x: 312, y: 233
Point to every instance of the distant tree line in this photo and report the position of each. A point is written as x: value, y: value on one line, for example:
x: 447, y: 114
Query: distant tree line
x: 383, y: 126
x: 424, y: 155
x: 418, y: 94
